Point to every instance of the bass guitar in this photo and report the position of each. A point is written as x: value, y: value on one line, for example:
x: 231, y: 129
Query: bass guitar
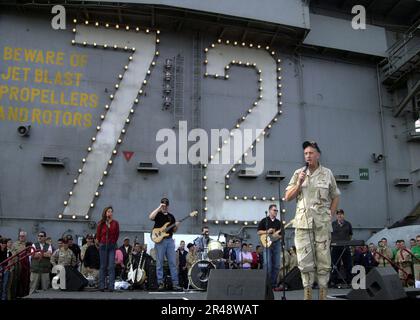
x: 158, y: 234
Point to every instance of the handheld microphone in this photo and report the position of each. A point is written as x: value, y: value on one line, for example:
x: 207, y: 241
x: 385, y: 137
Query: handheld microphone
x: 306, y: 166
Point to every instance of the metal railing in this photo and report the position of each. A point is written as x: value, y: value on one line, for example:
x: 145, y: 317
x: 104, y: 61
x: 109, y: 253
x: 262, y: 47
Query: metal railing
x: 401, y: 51
x: 393, y: 264
x: 12, y: 261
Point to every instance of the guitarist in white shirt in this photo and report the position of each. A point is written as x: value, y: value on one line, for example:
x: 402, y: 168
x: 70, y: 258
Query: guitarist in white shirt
x: 271, y: 226
x: 167, y: 246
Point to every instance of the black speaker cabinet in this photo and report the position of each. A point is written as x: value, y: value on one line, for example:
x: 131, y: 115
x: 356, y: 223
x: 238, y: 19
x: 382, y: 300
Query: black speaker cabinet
x: 381, y: 284
x: 293, y: 280
x: 236, y: 284
x: 75, y: 281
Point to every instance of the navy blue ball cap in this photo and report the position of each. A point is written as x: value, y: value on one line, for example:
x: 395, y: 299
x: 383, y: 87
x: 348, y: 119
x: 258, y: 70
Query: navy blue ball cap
x: 312, y: 144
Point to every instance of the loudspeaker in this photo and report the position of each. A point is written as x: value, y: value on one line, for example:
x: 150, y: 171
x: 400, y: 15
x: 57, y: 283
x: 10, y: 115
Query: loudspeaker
x: 24, y: 130
x: 75, y: 281
x: 293, y: 280
x: 151, y: 280
x: 236, y: 284
x: 381, y: 284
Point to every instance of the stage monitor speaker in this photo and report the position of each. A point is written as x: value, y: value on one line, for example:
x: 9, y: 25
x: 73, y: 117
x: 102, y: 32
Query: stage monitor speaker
x: 235, y: 284
x: 381, y: 284
x: 151, y: 280
x: 75, y: 281
x: 293, y: 280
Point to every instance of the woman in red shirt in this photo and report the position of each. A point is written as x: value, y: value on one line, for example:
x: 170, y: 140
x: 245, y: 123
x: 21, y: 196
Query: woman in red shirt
x: 107, y: 234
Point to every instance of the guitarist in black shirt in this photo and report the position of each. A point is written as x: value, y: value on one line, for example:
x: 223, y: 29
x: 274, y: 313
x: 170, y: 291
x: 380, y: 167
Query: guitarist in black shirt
x: 268, y: 231
x: 166, y: 247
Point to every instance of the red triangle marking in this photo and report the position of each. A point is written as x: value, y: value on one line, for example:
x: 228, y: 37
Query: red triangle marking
x: 128, y: 155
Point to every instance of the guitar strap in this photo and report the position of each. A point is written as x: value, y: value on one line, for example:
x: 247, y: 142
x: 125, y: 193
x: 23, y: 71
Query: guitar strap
x: 167, y: 218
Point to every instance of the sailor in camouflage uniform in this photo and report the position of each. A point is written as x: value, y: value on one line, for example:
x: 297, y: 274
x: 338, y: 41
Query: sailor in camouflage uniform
x: 404, y: 261
x: 316, y: 193
x: 64, y: 256
x: 383, y: 255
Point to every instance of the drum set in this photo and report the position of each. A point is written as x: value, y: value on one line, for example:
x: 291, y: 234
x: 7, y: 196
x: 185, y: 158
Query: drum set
x: 199, y: 273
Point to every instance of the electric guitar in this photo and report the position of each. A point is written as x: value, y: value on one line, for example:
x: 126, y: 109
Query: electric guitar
x: 267, y: 239
x: 158, y: 234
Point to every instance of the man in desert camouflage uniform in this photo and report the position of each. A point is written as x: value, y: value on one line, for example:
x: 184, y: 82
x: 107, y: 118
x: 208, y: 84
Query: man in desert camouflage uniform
x: 64, y: 256
x: 317, y: 196
x: 416, y: 259
x: 383, y: 254
x: 403, y: 259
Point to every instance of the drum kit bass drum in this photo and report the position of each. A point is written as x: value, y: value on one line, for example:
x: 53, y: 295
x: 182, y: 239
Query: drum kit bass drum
x: 199, y: 273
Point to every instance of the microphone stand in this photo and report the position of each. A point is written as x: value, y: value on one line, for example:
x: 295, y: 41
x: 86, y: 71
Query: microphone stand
x: 282, y: 232
x: 266, y: 247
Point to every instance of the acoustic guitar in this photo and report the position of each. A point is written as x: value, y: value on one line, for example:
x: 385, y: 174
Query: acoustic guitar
x: 267, y: 239
x: 158, y: 234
